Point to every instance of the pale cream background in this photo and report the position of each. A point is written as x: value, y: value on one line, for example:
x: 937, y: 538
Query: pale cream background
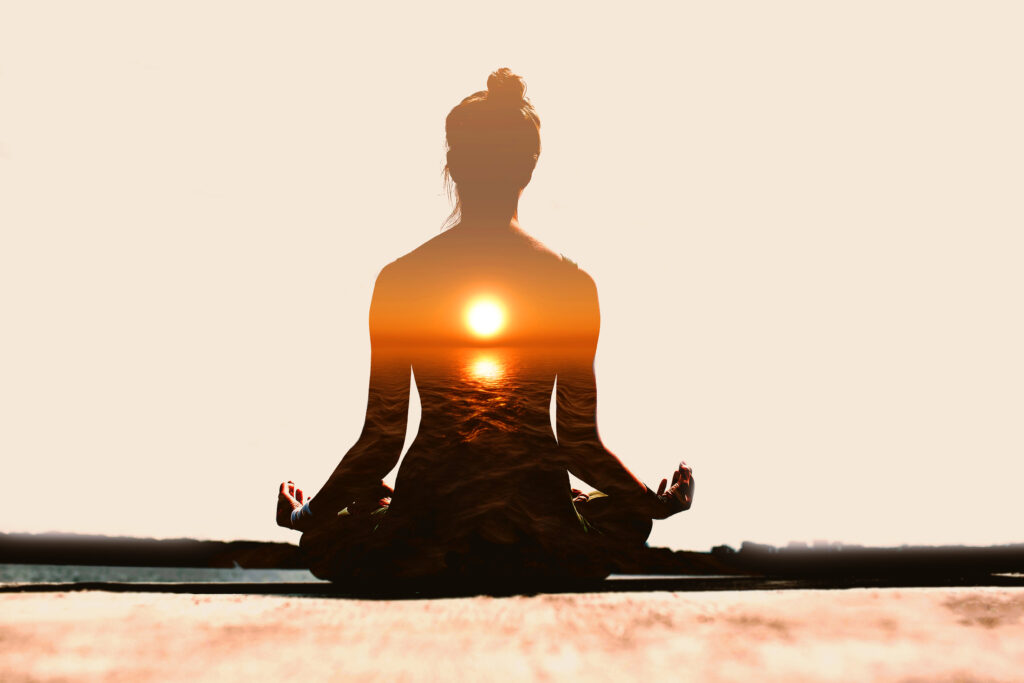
x: 804, y: 219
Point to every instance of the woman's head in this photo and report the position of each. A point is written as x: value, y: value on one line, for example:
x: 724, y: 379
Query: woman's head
x: 493, y: 141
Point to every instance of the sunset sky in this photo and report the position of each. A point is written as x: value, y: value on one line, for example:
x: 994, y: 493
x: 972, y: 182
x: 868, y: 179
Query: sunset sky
x: 804, y: 221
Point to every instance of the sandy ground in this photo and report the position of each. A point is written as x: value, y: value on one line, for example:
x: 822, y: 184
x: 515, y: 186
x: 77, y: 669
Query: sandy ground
x: 862, y: 634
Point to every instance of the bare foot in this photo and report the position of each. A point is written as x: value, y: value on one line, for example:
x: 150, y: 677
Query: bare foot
x: 376, y: 498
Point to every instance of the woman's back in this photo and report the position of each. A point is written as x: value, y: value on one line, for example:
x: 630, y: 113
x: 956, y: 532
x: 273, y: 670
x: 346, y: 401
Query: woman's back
x: 487, y: 318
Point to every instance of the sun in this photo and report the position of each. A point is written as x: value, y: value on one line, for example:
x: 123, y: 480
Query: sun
x: 485, y: 317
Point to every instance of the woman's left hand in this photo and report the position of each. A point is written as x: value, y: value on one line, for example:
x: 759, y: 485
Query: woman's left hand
x: 679, y: 496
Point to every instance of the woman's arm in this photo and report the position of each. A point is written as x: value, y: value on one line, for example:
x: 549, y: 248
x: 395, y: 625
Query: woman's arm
x: 586, y: 457
x: 576, y: 396
x: 379, y: 446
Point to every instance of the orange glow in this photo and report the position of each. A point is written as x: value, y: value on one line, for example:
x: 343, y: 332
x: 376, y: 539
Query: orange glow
x: 485, y: 317
x: 486, y: 369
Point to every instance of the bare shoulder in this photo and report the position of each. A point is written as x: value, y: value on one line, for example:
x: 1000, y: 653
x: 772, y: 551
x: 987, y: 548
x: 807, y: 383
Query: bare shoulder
x: 407, y: 264
x: 566, y: 265
x: 397, y: 278
x: 580, y: 282
x: 582, y: 278
x: 574, y: 283
x: 542, y: 250
x: 388, y: 276
x: 391, y: 287
x: 457, y: 250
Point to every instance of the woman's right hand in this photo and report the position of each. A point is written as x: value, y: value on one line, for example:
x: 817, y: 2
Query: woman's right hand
x: 677, y: 497
x: 289, y: 498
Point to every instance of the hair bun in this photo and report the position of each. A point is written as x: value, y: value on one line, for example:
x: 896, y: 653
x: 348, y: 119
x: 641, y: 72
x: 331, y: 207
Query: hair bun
x: 505, y: 87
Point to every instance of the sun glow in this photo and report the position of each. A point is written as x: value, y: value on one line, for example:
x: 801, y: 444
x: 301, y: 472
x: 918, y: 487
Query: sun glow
x: 486, y: 369
x: 485, y: 317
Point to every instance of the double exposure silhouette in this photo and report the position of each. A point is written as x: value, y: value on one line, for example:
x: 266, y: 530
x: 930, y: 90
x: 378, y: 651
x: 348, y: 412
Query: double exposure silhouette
x: 489, y: 322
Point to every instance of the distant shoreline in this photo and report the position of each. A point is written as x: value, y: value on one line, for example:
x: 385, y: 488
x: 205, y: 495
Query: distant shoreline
x: 125, y: 551
x: 836, y: 564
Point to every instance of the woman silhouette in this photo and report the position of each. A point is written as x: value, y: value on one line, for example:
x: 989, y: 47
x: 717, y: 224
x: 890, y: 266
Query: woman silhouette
x: 489, y: 322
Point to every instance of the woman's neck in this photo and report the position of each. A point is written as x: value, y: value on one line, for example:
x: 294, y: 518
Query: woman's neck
x: 490, y: 211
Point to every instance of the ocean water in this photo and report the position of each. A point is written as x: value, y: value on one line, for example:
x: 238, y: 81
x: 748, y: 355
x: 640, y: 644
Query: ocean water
x: 64, y: 573
x: 471, y: 394
x: 488, y: 417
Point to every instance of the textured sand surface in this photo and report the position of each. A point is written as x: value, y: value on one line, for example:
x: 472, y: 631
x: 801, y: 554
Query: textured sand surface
x: 863, y: 634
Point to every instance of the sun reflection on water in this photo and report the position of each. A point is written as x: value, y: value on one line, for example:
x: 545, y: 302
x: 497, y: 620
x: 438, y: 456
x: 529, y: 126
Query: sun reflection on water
x: 486, y: 368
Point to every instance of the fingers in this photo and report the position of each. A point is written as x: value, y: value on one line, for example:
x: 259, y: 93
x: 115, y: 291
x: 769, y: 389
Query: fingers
x: 290, y: 491
x: 679, y: 495
x: 684, y: 491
